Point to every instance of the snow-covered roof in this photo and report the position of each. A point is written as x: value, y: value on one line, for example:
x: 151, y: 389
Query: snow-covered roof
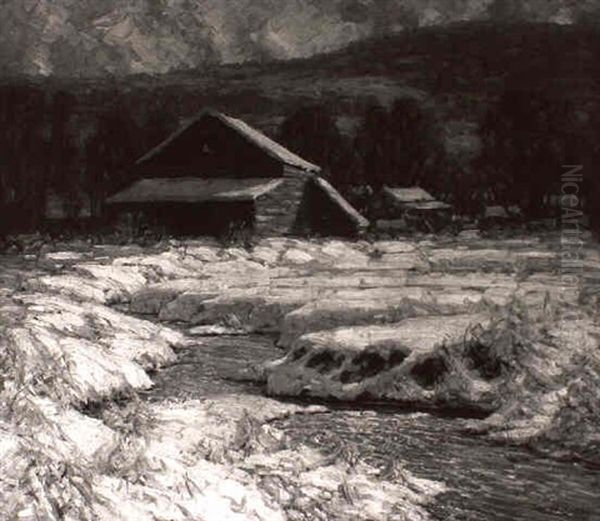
x: 194, y: 190
x: 412, y: 194
x: 257, y: 138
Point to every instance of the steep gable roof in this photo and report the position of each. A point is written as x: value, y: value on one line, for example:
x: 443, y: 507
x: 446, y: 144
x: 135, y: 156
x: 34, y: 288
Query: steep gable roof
x: 257, y: 138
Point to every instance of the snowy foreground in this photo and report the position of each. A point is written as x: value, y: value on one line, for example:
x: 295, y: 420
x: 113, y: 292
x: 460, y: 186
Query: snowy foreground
x: 494, y: 326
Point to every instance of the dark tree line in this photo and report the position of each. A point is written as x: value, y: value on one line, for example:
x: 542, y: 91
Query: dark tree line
x: 530, y: 139
x: 526, y: 138
x: 395, y: 146
x: 24, y: 155
x: 51, y: 141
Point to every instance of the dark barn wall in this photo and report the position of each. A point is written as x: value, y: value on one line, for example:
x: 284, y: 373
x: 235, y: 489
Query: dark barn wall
x: 184, y: 219
x: 323, y: 216
x: 209, y: 148
x: 279, y: 211
x: 298, y: 206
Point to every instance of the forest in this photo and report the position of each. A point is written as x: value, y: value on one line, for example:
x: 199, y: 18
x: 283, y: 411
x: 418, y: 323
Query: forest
x: 479, y: 114
x: 48, y: 143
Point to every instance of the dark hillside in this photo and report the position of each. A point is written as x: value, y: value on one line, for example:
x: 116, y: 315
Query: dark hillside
x: 79, y: 136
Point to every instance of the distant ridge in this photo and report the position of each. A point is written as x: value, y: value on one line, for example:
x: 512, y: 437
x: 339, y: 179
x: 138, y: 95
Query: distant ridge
x: 88, y: 38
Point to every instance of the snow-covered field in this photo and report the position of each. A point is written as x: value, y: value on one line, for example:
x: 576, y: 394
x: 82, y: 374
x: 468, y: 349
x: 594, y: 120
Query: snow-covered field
x: 494, y: 325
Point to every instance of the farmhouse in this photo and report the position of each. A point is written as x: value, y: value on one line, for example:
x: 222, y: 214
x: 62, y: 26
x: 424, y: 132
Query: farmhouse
x: 415, y: 207
x: 217, y: 173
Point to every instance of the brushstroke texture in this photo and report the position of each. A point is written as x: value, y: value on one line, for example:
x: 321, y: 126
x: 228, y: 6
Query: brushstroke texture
x: 91, y: 38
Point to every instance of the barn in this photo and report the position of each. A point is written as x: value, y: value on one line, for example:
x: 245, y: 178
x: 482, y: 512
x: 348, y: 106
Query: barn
x: 217, y: 173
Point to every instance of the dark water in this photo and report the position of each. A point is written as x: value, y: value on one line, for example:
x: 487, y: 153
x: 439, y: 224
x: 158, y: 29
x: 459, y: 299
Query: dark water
x: 217, y: 365
x: 486, y: 481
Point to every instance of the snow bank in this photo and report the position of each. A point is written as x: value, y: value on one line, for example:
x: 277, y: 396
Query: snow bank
x: 409, y: 361
x: 202, y: 459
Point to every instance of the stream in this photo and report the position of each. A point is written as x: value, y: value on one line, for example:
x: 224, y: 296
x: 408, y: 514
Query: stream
x: 486, y: 481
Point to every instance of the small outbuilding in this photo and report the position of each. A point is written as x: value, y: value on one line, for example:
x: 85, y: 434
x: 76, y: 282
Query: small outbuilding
x: 415, y: 207
x: 499, y: 215
x: 218, y: 173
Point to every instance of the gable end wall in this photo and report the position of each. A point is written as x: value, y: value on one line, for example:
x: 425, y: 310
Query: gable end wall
x: 279, y: 211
